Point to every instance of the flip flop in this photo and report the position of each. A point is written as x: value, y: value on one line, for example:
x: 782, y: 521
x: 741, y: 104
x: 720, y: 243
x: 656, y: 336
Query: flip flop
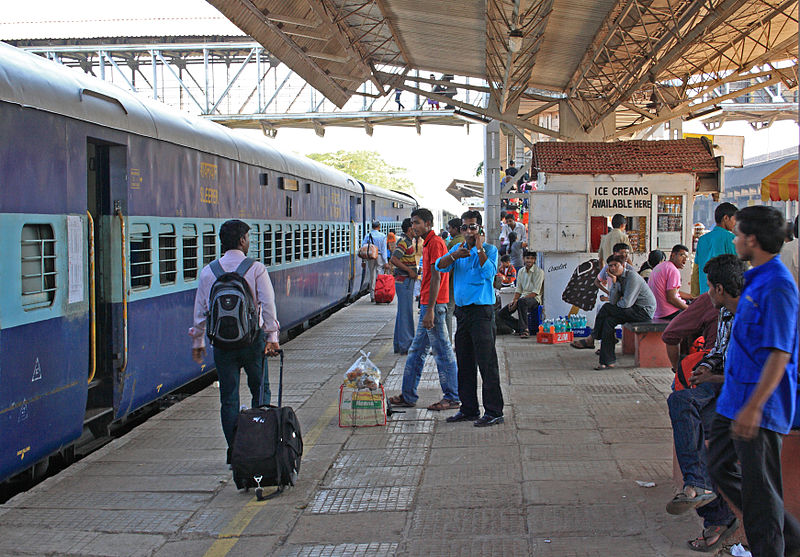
x: 604, y: 366
x: 524, y: 334
x: 724, y: 532
x: 682, y: 502
x: 581, y: 344
x: 398, y: 400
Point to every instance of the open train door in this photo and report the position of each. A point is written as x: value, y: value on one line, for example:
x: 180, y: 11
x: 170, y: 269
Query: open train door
x: 106, y: 188
x: 354, y: 267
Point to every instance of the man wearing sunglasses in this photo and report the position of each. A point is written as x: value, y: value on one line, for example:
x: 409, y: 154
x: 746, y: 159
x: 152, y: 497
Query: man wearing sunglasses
x: 474, y: 265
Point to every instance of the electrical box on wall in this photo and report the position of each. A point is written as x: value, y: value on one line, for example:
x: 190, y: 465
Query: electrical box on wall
x: 559, y: 222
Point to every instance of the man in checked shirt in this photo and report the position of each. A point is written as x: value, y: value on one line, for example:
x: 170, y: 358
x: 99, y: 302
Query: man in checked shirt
x: 234, y: 237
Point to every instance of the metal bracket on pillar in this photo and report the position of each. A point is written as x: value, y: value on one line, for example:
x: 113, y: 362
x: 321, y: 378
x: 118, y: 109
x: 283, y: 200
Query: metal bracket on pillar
x: 319, y: 129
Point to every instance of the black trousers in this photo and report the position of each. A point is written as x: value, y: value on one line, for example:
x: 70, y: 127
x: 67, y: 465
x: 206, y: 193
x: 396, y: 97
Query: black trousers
x: 519, y: 323
x: 755, y: 486
x: 606, y: 321
x: 475, y: 336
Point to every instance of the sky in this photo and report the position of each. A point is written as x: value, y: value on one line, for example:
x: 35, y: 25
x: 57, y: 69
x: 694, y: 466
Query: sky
x: 432, y: 159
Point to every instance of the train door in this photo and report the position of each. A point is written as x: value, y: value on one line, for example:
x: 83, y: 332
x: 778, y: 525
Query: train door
x: 106, y: 174
x: 355, y: 262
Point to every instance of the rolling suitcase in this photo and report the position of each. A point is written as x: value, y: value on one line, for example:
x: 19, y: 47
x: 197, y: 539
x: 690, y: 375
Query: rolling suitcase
x: 268, y: 444
x: 384, y: 289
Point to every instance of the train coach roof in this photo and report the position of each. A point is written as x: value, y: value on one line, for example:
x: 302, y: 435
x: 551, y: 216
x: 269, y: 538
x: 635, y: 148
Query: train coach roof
x: 32, y: 81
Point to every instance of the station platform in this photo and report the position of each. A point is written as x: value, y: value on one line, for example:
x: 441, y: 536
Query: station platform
x: 557, y: 479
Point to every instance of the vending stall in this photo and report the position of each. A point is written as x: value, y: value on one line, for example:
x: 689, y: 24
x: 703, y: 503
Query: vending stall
x: 581, y: 186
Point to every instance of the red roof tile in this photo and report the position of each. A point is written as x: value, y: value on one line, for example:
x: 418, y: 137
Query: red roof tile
x: 624, y: 157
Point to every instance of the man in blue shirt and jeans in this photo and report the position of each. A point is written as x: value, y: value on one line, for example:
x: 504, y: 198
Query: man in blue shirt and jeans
x: 758, y: 398
x: 474, y: 265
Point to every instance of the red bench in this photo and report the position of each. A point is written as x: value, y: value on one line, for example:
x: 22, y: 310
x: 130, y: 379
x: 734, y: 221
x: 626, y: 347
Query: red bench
x: 643, y: 340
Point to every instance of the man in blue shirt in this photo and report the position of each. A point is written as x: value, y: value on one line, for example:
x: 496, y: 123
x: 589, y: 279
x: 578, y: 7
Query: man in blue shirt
x: 714, y: 243
x: 758, y: 398
x: 474, y: 265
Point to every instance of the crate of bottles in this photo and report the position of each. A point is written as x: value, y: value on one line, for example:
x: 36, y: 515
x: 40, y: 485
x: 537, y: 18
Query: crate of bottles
x: 554, y: 338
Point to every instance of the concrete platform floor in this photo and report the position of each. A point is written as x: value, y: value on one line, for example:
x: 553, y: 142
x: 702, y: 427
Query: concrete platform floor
x: 557, y: 479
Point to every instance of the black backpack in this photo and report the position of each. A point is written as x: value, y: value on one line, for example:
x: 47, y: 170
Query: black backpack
x: 232, y: 312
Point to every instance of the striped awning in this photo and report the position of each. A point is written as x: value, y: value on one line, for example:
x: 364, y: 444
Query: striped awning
x: 781, y: 185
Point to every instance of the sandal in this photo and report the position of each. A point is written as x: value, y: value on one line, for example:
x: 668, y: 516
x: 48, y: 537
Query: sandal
x: 398, y: 400
x: 722, y: 533
x: 524, y: 334
x: 582, y: 343
x: 683, y: 501
x: 445, y: 404
x: 604, y: 366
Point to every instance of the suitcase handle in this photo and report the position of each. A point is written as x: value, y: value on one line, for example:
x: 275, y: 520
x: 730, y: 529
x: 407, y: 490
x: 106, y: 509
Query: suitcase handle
x: 264, y: 380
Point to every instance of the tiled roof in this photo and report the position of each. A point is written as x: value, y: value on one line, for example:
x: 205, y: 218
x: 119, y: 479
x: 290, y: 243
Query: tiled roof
x: 624, y: 157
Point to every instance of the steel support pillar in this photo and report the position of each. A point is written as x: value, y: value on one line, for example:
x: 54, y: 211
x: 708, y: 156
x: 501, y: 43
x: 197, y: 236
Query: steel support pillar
x: 491, y: 181
x: 570, y: 125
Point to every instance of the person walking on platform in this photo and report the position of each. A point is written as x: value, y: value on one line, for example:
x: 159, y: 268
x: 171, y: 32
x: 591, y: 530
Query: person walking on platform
x: 712, y: 244
x: 474, y: 264
x: 615, y: 236
x: 235, y: 240
x: 759, y: 395
x: 530, y: 287
x: 456, y: 237
x: 378, y: 239
x: 405, y: 275
x: 431, y: 330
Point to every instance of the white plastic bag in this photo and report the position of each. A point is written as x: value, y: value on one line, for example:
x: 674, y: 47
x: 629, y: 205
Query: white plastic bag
x: 363, y: 374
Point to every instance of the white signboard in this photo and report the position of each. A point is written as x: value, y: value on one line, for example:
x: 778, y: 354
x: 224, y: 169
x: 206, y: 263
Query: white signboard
x: 75, y: 259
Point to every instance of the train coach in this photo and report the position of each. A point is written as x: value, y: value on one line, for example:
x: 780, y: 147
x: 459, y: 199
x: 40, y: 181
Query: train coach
x: 110, y: 206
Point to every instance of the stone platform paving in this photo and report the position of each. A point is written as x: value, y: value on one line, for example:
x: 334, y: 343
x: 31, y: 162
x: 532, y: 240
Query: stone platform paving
x: 557, y: 479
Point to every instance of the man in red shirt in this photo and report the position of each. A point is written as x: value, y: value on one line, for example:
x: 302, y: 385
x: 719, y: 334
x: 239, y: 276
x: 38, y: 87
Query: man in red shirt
x: 432, y: 328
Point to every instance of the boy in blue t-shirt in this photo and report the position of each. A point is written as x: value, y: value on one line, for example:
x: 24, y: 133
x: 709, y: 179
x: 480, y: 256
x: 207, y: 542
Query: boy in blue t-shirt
x: 758, y: 398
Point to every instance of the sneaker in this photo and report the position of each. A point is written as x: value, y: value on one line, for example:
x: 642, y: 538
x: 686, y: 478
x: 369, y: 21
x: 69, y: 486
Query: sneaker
x: 487, y: 420
x: 461, y: 417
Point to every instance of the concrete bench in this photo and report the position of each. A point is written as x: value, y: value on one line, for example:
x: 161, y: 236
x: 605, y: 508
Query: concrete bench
x: 643, y: 340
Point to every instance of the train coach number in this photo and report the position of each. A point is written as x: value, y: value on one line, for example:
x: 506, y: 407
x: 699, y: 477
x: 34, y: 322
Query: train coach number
x: 209, y: 195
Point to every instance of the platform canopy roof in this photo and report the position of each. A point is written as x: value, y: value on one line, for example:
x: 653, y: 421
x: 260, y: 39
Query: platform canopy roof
x: 647, y: 61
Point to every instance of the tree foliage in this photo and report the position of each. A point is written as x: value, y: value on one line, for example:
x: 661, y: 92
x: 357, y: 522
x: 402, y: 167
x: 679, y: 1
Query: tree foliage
x: 368, y: 166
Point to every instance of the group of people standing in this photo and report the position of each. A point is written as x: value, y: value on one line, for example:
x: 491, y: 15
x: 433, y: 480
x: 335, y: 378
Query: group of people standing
x: 457, y: 280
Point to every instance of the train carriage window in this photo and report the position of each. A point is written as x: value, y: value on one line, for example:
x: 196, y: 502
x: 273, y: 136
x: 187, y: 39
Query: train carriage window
x: 167, y: 254
x: 298, y: 243
x: 189, y: 252
x: 278, y: 245
x: 288, y: 241
x: 337, y: 239
x: 327, y: 240
x: 255, y: 243
x: 314, y: 241
x: 141, y: 256
x: 306, y: 242
x: 321, y: 240
x: 347, y: 240
x: 267, y: 243
x: 209, y: 244
x: 38, y: 266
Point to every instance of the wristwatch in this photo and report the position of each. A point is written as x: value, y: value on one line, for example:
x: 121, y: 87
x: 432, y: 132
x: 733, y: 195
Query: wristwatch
x: 480, y: 249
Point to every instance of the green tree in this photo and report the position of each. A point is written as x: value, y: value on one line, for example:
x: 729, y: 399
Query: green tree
x: 368, y: 166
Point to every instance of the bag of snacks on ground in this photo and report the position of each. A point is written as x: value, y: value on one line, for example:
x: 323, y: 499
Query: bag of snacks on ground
x: 362, y: 402
x: 363, y: 374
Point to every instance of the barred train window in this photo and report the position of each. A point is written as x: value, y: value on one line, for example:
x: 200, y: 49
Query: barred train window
x: 267, y: 245
x: 209, y: 244
x: 167, y: 254
x: 189, y: 252
x: 255, y: 243
x: 287, y: 242
x: 298, y: 247
x: 320, y: 240
x: 278, y: 245
x: 38, y: 266
x: 314, y: 242
x: 306, y: 242
x: 327, y: 240
x: 141, y: 256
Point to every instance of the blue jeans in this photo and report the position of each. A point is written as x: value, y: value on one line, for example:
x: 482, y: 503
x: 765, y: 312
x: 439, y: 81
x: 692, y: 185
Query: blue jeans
x: 442, y: 351
x: 229, y: 364
x: 692, y: 411
x: 404, y: 322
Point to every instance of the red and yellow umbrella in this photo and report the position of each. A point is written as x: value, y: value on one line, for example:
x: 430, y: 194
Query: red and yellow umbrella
x: 781, y: 185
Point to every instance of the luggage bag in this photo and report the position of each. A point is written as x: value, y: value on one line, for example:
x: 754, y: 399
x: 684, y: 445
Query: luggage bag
x: 268, y: 444
x: 384, y: 289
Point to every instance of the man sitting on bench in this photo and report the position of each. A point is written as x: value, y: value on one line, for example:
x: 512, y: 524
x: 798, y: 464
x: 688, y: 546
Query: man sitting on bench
x: 665, y: 282
x: 692, y: 410
x: 530, y: 284
x: 629, y: 300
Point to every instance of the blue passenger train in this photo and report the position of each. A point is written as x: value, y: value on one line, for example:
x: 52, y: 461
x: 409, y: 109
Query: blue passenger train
x: 109, y: 207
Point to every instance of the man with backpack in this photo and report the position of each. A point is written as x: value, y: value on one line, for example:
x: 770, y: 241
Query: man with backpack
x: 235, y: 307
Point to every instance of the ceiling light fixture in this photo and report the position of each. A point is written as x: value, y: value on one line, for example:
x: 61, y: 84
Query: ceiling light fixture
x: 515, y: 40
